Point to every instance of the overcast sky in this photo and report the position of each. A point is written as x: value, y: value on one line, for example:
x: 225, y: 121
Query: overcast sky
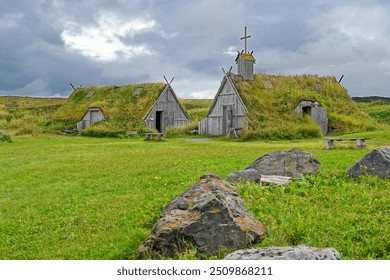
x: 45, y: 45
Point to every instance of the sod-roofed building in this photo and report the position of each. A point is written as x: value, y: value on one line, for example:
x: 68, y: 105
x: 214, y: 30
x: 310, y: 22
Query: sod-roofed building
x: 279, y: 106
x: 155, y: 104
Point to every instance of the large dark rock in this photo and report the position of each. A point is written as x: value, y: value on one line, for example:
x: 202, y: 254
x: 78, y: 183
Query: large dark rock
x: 301, y: 252
x: 210, y: 214
x: 376, y: 162
x: 277, y: 168
x: 286, y: 163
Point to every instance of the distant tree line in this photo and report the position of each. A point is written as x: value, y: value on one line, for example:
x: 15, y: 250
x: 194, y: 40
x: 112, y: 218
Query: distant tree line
x: 371, y: 98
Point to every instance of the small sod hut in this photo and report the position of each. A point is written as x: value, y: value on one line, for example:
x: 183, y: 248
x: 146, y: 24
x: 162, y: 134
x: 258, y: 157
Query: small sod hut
x: 127, y: 107
x: 265, y: 106
x: 91, y: 115
x: 316, y: 112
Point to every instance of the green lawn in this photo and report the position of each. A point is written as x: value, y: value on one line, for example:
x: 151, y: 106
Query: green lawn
x: 67, y: 197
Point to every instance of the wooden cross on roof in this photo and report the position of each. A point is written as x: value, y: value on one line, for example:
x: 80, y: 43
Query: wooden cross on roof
x: 245, y: 38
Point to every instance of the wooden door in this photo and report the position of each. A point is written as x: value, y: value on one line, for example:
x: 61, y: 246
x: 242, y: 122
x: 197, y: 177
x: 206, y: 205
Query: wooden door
x: 227, y: 119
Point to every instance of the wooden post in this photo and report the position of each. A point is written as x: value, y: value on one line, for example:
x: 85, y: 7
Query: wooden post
x: 329, y: 144
x: 360, y: 143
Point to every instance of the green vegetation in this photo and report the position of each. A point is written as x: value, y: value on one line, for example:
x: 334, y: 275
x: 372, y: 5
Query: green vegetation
x: 329, y: 211
x: 371, y: 98
x: 197, y: 110
x: 66, y: 197
x: 5, y: 137
x: 124, y: 106
x: 27, y: 115
x: 377, y: 110
x: 270, y: 109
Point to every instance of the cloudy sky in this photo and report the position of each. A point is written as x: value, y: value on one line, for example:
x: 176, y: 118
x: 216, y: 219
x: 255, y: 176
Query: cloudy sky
x: 47, y: 44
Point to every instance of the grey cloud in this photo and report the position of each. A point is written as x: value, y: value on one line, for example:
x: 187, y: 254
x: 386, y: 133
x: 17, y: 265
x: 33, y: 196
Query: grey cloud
x: 189, y: 41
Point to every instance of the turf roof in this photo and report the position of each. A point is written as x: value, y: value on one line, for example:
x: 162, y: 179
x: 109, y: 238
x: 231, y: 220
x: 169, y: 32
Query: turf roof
x: 273, y: 106
x: 118, y: 103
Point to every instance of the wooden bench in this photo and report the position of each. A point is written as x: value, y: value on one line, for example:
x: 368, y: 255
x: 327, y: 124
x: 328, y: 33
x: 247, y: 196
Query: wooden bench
x: 131, y: 133
x: 159, y: 136
x: 360, y: 142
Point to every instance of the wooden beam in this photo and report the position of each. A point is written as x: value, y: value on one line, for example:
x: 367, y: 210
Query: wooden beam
x: 166, y: 80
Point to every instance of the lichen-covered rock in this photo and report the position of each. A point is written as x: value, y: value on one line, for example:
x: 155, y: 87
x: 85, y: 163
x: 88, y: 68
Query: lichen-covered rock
x: 209, y: 214
x: 376, y: 162
x: 301, y: 252
x: 286, y: 163
x: 277, y: 168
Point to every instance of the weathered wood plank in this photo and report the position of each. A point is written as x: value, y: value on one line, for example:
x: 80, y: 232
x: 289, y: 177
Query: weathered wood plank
x: 275, y: 180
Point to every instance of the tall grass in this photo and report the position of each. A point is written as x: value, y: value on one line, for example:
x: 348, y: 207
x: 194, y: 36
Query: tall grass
x: 29, y: 115
x: 378, y: 110
x: 313, y: 212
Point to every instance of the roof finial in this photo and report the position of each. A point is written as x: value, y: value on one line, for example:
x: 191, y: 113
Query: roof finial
x: 245, y: 38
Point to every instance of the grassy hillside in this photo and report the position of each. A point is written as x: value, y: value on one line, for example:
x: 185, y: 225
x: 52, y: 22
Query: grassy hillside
x: 27, y: 115
x: 197, y: 110
x: 86, y: 198
x: 377, y: 110
x: 270, y: 109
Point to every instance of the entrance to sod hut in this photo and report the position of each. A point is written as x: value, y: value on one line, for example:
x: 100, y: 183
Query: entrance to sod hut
x: 159, y: 121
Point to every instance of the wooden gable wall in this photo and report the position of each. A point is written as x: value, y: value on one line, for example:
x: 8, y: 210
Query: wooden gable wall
x: 166, y: 112
x: 226, y: 112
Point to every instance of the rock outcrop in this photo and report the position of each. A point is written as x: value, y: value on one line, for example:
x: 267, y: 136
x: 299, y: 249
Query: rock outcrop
x: 376, y: 162
x: 301, y: 252
x: 210, y: 215
x: 282, y: 165
x: 286, y: 163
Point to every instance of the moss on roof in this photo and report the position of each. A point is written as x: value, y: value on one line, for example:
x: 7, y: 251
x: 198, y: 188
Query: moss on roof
x: 246, y: 56
x: 270, y: 110
x: 118, y: 103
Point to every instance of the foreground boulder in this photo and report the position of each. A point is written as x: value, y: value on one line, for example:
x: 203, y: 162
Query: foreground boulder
x: 376, y: 162
x: 210, y: 215
x: 301, y: 252
x: 281, y: 164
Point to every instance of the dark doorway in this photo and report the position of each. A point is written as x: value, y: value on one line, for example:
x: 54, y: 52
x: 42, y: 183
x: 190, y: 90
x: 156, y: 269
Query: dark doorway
x: 159, y: 121
x: 306, y: 110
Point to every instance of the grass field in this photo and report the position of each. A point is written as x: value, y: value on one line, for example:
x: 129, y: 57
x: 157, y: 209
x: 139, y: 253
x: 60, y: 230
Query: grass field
x: 71, y: 197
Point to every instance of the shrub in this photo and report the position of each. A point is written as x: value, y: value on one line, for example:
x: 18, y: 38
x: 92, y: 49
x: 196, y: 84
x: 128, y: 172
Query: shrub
x: 182, y: 130
x: 5, y: 137
x: 103, y: 129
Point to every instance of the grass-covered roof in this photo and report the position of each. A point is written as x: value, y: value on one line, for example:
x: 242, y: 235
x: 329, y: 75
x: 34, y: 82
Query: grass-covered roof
x: 118, y: 103
x: 271, y: 99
